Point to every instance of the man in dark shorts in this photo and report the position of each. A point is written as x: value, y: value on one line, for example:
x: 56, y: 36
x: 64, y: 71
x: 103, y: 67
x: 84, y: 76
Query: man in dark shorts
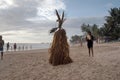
x: 1, y: 47
x: 89, y: 39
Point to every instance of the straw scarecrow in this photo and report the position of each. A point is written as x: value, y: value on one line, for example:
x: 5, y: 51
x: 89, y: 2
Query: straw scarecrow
x: 59, y: 51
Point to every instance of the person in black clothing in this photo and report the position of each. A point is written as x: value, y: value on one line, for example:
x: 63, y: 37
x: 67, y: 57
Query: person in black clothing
x: 89, y: 39
x: 8, y: 46
x: 15, y: 46
x: 1, y: 46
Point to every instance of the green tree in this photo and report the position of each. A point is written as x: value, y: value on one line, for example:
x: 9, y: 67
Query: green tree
x: 112, y: 26
x: 85, y: 28
x: 93, y: 28
x: 75, y: 39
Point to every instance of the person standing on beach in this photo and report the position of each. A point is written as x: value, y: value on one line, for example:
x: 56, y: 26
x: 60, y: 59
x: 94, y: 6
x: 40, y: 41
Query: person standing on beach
x: 8, y: 45
x: 23, y: 47
x: 26, y: 47
x: 1, y: 46
x: 89, y: 39
x: 15, y: 46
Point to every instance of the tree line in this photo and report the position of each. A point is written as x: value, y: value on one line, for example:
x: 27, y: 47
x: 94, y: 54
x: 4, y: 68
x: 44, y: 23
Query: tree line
x: 110, y: 30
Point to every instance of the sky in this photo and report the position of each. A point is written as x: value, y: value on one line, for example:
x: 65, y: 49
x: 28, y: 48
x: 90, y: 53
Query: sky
x: 29, y: 21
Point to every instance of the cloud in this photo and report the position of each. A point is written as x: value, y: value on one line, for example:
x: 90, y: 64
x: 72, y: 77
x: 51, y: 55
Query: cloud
x: 27, y: 11
x: 31, y: 20
x: 46, y: 11
x: 6, y: 3
x: 77, y: 22
x: 26, y: 36
x: 15, y: 16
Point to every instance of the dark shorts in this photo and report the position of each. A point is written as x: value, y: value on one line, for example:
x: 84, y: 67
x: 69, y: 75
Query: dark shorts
x: 90, y: 44
x: 1, y: 49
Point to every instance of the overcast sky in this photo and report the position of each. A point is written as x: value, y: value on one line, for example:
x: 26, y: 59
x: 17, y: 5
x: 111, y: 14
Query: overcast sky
x: 29, y: 21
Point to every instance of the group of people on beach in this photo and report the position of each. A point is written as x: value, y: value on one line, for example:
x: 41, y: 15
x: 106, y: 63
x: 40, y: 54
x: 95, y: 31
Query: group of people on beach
x: 59, y: 50
x: 8, y: 47
x: 89, y: 39
x: 16, y: 47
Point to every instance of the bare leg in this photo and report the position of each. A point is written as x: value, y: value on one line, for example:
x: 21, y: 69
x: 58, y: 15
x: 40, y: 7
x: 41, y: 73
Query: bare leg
x: 89, y: 51
x: 92, y: 52
x: 1, y: 55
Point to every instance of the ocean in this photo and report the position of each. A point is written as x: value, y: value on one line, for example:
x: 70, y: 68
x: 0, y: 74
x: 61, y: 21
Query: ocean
x: 26, y: 46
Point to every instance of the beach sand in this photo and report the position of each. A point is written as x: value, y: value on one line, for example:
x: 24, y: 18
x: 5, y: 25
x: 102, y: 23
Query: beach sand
x: 33, y: 64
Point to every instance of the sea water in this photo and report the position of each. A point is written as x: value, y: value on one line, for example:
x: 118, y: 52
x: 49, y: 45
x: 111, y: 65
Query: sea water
x: 27, y: 46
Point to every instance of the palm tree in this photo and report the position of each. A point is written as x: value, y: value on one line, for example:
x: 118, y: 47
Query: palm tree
x: 59, y: 51
x: 112, y: 23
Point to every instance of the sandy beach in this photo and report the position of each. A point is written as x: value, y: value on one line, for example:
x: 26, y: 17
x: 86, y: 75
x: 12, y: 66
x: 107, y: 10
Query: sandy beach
x: 33, y: 64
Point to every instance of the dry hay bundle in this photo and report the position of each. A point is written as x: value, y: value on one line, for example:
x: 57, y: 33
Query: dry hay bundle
x: 59, y: 49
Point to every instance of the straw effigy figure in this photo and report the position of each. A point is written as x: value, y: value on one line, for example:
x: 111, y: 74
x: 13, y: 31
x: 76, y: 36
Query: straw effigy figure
x: 59, y: 51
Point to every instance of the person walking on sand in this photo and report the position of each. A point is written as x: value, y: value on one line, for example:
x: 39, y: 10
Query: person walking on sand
x: 15, y: 46
x: 1, y: 46
x: 8, y: 46
x: 89, y: 39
